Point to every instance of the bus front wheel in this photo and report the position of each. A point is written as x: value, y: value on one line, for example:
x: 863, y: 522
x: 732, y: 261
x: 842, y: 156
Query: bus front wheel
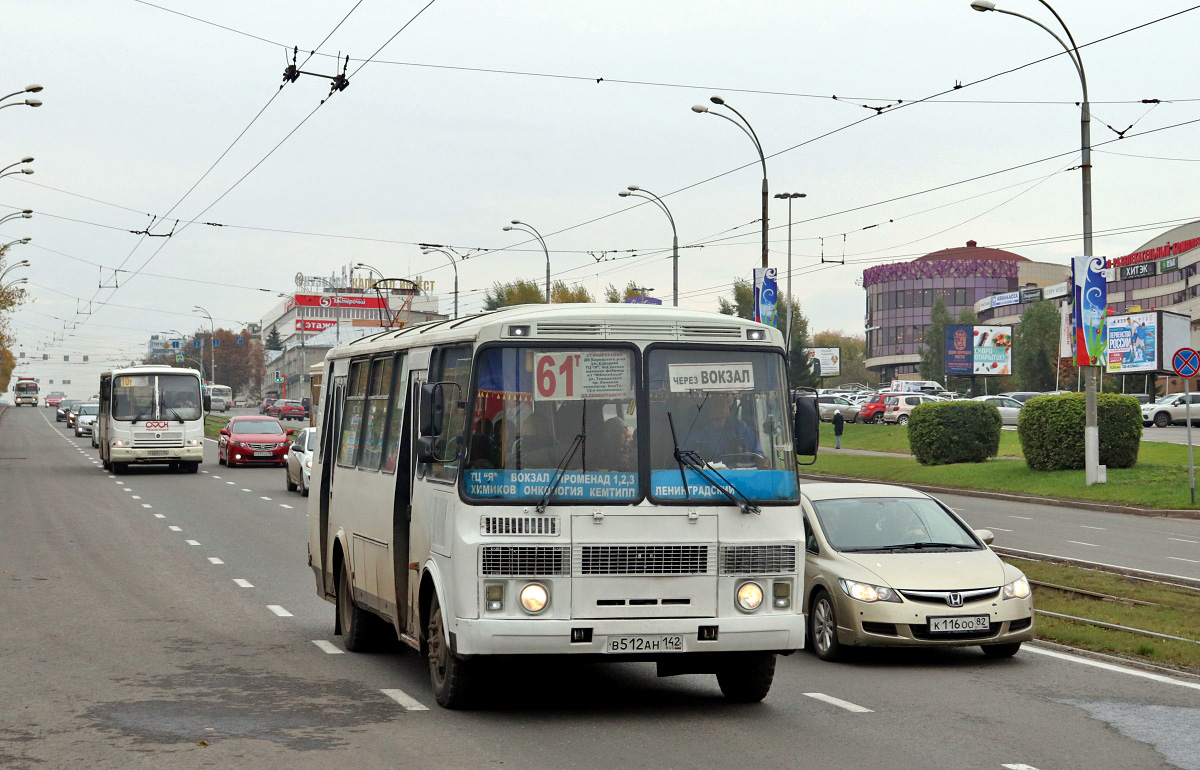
x: 447, y: 673
x: 119, y: 468
x: 747, y: 676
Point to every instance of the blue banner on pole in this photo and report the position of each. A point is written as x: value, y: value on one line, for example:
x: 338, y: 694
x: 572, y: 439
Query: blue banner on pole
x: 766, y: 296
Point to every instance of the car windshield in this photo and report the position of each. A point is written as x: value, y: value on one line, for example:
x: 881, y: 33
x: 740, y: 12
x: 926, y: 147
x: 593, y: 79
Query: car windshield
x: 88, y: 409
x: 1167, y: 398
x: 255, y: 427
x: 891, y: 523
x: 156, y: 397
x: 728, y: 407
x: 560, y: 421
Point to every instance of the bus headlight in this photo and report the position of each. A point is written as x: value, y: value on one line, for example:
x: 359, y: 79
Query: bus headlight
x: 534, y: 598
x: 118, y: 442
x: 749, y: 596
x: 193, y: 442
x: 308, y: 463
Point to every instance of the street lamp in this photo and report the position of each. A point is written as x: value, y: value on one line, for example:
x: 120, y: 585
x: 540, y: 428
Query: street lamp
x: 787, y: 334
x: 19, y: 171
x: 527, y: 228
x: 451, y: 254
x: 211, y: 343
x: 13, y: 266
x: 748, y: 130
x: 29, y: 89
x: 26, y: 214
x: 4, y: 248
x: 637, y: 192
x: 26, y: 159
x: 1091, y: 431
x: 4, y: 289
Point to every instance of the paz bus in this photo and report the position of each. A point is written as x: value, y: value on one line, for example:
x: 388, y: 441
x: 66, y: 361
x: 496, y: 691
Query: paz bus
x: 609, y: 480
x: 26, y: 391
x: 220, y: 397
x: 151, y: 414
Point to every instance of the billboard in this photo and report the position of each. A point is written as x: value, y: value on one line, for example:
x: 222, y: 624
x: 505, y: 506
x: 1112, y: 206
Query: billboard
x: 825, y: 362
x: 1091, y: 305
x: 984, y: 351
x: 314, y: 324
x: 1142, y: 343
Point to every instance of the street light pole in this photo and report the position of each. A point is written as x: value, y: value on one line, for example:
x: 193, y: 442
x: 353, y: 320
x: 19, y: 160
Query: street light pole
x: 13, y: 266
x: 26, y: 214
x: 522, y: 226
x: 211, y: 344
x: 1091, y: 430
x: 32, y: 88
x: 429, y: 248
x: 637, y: 192
x: 787, y: 334
x: 747, y: 129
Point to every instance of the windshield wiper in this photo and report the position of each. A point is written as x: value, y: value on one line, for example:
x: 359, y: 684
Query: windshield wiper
x: 559, y: 470
x: 163, y: 406
x: 692, y: 459
x: 918, y: 546
x: 141, y: 415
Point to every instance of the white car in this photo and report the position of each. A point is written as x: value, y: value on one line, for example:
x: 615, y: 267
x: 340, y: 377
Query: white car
x: 299, y: 461
x: 1010, y: 408
x: 85, y: 420
x: 1170, y: 409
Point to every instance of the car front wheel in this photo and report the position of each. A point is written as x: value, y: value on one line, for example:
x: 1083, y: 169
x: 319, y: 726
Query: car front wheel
x: 822, y: 628
x: 1162, y: 419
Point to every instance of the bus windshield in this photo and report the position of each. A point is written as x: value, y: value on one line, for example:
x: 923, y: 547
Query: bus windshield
x: 26, y: 387
x: 156, y: 397
x: 539, y: 410
x: 729, y: 410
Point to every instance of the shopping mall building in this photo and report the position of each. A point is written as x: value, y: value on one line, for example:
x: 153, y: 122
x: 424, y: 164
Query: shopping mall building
x: 1158, y: 275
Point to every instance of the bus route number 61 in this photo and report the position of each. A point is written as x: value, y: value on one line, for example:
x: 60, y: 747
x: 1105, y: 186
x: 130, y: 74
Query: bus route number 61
x: 556, y: 376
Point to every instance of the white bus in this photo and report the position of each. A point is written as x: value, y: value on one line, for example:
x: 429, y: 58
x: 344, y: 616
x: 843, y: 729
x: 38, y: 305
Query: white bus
x: 575, y: 479
x: 150, y: 414
x: 220, y: 397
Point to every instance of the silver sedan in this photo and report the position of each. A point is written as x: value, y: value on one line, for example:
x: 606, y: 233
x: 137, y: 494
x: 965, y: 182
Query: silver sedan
x: 1010, y: 408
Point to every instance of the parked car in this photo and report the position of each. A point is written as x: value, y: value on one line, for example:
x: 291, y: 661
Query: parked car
x: 266, y: 402
x: 1170, y: 409
x: 889, y: 566
x: 1010, y: 408
x: 253, y: 441
x: 287, y: 410
x: 1143, y: 398
x: 827, y: 405
x: 54, y: 398
x: 900, y: 406
x: 1022, y: 395
x: 64, y: 406
x: 299, y: 461
x: 85, y: 419
x: 871, y: 410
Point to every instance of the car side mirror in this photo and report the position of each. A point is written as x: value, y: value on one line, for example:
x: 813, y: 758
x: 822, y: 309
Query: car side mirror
x: 985, y: 535
x: 224, y: 432
x: 806, y: 425
x: 291, y: 431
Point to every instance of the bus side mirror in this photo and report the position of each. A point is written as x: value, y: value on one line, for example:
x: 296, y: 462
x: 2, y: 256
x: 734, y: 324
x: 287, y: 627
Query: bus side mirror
x: 433, y: 409
x: 208, y: 403
x: 806, y: 425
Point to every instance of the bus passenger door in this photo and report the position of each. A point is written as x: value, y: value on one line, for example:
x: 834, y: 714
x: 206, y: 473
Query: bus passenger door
x: 327, y: 453
x: 406, y: 617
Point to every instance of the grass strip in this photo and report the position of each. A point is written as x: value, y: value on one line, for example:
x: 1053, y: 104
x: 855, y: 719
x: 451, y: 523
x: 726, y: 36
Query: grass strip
x: 213, y: 424
x: 1174, y: 613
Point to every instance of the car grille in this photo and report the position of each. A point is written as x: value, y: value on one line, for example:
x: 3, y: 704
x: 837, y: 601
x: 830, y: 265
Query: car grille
x: 942, y: 597
x: 921, y: 631
x: 510, y: 560
x: 645, y: 559
x: 161, y: 438
x: 518, y: 525
x: 757, y: 559
x: 262, y: 447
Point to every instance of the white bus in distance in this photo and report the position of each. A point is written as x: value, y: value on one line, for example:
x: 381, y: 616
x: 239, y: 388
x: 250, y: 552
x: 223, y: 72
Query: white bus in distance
x: 609, y: 480
x: 150, y: 414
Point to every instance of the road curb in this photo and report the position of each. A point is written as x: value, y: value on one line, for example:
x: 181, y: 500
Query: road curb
x: 1169, y: 513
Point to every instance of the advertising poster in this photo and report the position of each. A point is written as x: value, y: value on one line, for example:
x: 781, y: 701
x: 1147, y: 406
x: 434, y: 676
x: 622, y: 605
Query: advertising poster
x: 1133, y: 343
x: 766, y: 296
x: 825, y: 362
x: 1091, y: 305
x: 960, y: 350
x: 992, y: 350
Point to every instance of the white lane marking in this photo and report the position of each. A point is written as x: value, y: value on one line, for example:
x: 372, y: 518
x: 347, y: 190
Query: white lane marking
x: 215, y: 477
x: 192, y: 542
x: 842, y: 704
x: 1113, y: 667
x: 260, y: 497
x: 126, y: 489
x: 135, y: 497
x: 1076, y: 542
x: 215, y: 560
x: 328, y: 647
x: 175, y: 529
x: 204, y: 471
x: 243, y: 582
x: 1026, y: 518
x: 1020, y: 551
x: 228, y: 482
x: 1180, y: 558
x: 147, y: 505
x: 160, y: 516
x: 1102, y: 529
x: 404, y: 699
x: 280, y: 611
x: 112, y: 477
x: 1019, y: 767
x: 245, y: 490
x: 119, y: 483
x: 1000, y: 529
x: 284, y: 505
x: 1184, y: 540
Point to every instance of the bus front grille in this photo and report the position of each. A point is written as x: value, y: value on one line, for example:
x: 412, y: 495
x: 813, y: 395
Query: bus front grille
x: 645, y: 559
x: 757, y: 559
x: 162, y: 438
x: 518, y: 525
x: 524, y: 560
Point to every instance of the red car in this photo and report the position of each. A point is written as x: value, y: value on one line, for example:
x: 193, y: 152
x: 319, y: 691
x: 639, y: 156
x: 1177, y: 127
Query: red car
x: 262, y: 408
x: 55, y: 398
x: 873, y: 408
x: 287, y: 410
x: 253, y: 441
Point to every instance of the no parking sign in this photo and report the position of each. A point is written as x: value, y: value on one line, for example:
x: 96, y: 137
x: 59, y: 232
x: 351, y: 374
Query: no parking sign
x: 1186, y: 363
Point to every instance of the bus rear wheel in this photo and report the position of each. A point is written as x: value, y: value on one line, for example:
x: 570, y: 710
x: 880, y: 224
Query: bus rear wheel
x: 358, y: 627
x: 747, y: 677
x: 448, y: 674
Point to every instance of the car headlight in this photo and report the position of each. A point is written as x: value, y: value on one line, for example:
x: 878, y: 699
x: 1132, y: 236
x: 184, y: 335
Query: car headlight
x: 1018, y: 589
x: 749, y: 596
x: 534, y: 598
x: 865, y: 592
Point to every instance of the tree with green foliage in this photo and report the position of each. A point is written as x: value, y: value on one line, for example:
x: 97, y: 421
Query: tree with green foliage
x: 967, y: 317
x: 561, y: 293
x: 933, y: 349
x: 273, y: 341
x: 800, y: 372
x: 525, y: 292
x: 613, y: 294
x: 1035, y: 346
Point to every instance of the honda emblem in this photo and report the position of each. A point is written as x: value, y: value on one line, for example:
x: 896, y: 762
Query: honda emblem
x: 954, y: 599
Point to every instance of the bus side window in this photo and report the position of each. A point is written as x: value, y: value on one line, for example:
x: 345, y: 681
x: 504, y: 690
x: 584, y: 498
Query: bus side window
x: 352, y: 414
x: 452, y: 365
x: 105, y: 388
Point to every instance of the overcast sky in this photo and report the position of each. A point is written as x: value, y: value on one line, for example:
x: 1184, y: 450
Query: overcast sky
x: 424, y: 145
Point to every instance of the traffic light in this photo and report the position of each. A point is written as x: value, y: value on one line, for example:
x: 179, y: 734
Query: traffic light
x: 278, y: 376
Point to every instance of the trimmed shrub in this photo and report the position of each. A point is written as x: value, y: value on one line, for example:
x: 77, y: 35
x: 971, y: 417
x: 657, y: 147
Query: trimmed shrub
x: 1051, y: 431
x: 944, y: 432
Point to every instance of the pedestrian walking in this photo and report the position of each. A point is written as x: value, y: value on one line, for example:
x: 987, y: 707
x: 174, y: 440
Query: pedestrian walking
x: 838, y: 423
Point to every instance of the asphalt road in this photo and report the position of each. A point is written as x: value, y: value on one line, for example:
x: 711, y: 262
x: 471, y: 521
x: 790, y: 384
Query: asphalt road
x: 160, y: 620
